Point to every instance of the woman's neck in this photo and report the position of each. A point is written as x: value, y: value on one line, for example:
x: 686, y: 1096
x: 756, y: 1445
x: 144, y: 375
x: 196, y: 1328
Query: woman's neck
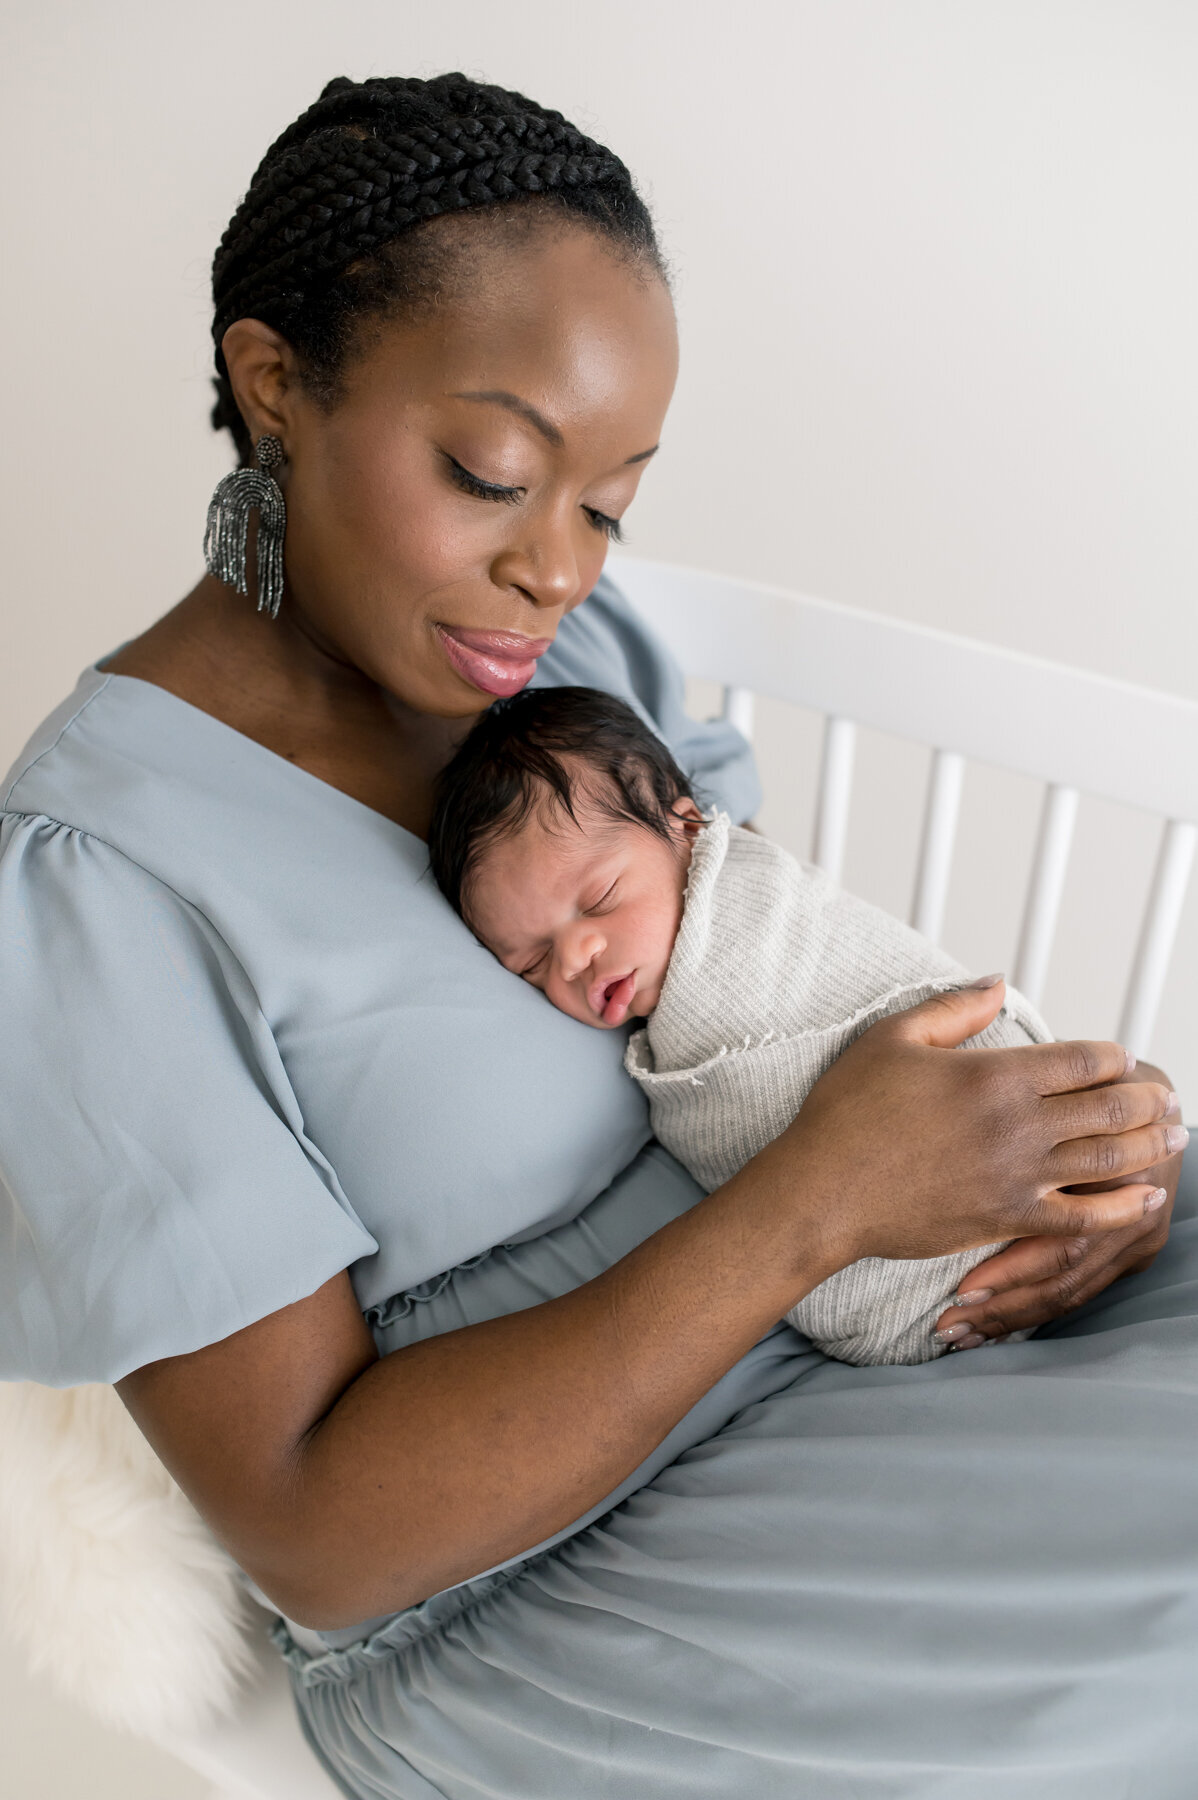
x: 270, y: 680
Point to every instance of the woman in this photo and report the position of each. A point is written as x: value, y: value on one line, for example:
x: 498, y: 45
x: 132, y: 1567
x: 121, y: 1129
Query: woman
x: 489, y: 1404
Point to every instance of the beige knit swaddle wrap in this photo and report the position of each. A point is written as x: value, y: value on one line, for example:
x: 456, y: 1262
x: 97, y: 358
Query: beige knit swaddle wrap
x: 775, y: 971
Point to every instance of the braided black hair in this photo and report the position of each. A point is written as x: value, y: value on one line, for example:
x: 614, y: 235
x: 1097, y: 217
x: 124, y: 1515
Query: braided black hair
x: 313, y: 246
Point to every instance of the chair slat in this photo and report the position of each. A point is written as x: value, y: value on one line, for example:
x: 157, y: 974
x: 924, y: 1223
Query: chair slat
x: 936, y: 849
x: 1053, y: 844
x: 835, y: 793
x: 1161, y: 920
x: 738, y: 710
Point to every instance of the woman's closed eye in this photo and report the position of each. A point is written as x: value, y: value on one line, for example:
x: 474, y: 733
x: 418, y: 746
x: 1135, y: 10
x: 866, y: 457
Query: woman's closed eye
x: 610, y: 527
x: 482, y: 490
x: 512, y: 496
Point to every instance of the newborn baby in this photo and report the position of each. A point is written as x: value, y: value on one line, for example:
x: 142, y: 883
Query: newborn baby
x: 568, y: 839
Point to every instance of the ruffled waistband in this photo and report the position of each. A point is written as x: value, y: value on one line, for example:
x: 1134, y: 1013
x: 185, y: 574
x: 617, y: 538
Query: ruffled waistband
x: 404, y: 1628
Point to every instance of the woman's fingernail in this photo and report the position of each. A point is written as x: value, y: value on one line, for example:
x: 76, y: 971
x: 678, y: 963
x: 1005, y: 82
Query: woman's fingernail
x: 1155, y: 1200
x: 975, y: 1297
x: 973, y: 1342
x: 1177, y: 1137
x: 986, y: 981
x: 1131, y: 1062
x: 1174, y: 1105
x: 951, y: 1333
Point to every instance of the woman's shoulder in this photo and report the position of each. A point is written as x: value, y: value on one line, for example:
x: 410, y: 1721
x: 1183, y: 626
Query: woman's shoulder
x: 203, y: 809
x: 87, y: 794
x: 39, y: 764
x: 105, y: 754
x: 55, y: 826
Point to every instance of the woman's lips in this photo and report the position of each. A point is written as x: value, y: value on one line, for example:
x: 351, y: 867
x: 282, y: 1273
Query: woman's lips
x: 611, y: 999
x: 498, y: 662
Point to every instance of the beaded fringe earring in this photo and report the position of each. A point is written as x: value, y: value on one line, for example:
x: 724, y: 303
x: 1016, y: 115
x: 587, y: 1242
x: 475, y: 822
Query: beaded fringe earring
x: 226, y: 539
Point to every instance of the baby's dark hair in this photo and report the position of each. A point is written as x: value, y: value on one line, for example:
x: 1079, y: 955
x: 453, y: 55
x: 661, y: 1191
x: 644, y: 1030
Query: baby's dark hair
x: 340, y: 220
x: 530, y: 751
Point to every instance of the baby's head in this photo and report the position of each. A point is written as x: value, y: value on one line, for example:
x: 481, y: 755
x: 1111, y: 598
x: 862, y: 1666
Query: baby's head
x: 562, y: 835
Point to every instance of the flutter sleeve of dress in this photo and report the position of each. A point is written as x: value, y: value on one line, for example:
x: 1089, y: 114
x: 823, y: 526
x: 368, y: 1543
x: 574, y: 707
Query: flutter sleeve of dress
x: 156, y: 1189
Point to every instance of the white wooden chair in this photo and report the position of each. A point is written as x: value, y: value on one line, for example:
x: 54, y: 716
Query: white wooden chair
x: 1075, y: 732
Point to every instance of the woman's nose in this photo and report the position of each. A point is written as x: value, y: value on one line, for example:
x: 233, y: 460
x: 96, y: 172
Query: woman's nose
x: 545, y: 565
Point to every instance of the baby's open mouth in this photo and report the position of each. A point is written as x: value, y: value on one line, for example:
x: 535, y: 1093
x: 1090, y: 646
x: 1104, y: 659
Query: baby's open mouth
x: 613, y: 998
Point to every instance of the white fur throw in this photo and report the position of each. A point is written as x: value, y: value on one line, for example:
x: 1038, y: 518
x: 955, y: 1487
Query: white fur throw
x: 774, y: 972
x: 111, y: 1582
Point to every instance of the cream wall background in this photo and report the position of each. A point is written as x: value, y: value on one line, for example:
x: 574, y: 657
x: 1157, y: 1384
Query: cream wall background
x: 937, y: 272
x: 936, y: 267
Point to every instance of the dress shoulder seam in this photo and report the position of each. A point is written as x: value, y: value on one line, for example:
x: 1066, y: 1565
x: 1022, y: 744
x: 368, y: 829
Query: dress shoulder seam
x: 38, y: 812
x: 65, y: 727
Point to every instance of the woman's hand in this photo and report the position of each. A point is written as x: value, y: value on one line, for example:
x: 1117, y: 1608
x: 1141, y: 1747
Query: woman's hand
x: 1037, y: 1279
x: 968, y: 1148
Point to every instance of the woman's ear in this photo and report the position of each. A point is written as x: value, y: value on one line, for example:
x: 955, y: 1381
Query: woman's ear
x: 262, y: 373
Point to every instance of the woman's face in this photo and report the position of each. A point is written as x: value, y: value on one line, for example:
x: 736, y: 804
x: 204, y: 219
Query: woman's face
x: 458, y: 498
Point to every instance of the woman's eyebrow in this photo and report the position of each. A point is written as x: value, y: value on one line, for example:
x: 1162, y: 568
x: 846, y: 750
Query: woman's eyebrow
x: 524, y: 409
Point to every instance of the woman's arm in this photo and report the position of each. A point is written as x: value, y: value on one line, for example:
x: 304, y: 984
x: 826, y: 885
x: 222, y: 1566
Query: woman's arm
x: 350, y: 1486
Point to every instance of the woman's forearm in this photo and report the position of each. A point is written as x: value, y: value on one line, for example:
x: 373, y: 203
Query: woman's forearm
x: 446, y: 1458
x: 350, y: 1487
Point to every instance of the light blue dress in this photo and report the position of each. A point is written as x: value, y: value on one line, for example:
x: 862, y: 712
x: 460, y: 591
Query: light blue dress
x: 244, y: 1045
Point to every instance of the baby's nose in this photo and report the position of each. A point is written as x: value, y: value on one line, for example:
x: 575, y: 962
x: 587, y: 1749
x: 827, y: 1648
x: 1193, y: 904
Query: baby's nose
x: 579, y: 953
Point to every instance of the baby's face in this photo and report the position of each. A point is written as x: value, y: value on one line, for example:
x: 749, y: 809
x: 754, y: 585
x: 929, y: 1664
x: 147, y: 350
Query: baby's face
x: 586, y: 912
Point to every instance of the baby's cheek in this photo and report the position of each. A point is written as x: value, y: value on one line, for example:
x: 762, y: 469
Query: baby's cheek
x: 651, y: 932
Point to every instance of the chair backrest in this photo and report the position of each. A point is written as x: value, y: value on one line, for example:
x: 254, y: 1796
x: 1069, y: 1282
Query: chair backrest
x: 1076, y: 732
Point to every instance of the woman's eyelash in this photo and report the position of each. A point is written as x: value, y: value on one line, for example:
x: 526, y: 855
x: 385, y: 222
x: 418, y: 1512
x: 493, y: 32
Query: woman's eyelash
x: 482, y: 490
x: 609, y: 527
x: 511, y: 496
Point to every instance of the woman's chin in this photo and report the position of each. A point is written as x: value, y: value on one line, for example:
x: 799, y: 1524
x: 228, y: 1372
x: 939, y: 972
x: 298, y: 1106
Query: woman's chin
x: 435, y: 694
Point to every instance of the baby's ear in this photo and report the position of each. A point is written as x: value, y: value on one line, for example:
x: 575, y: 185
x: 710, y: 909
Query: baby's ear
x: 687, y: 813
